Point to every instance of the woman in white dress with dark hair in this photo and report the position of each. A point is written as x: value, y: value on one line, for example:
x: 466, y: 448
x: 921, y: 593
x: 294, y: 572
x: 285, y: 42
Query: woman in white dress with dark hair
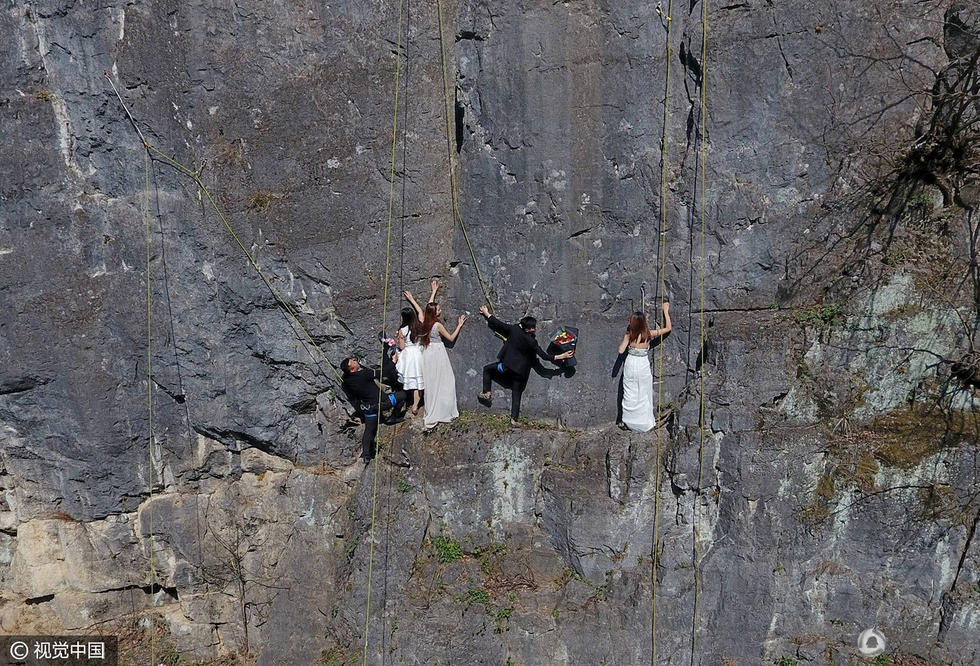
x: 437, y: 371
x: 409, y: 363
x: 637, y: 377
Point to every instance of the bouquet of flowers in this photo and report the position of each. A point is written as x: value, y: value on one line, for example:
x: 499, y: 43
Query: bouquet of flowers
x: 389, y: 344
x: 565, y: 339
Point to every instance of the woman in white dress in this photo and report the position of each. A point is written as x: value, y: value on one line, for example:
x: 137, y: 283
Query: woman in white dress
x: 409, y: 364
x: 437, y: 371
x: 637, y: 378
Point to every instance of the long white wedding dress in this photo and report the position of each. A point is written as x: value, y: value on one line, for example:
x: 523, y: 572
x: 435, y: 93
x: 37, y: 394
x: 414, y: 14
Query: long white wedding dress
x: 440, y: 382
x: 638, y: 391
x: 409, y: 364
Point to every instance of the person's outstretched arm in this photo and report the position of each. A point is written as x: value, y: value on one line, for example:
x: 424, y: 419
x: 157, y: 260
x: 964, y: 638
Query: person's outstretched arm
x: 451, y: 336
x: 667, y: 326
x: 548, y: 357
x: 435, y: 288
x: 495, y: 324
x: 418, y: 308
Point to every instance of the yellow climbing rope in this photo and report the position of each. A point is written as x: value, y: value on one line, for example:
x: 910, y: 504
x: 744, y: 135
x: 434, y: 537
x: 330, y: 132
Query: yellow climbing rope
x: 384, y: 316
x: 703, y: 155
x: 195, y: 176
x: 453, y: 178
x: 660, y: 360
x: 265, y: 278
x: 149, y: 391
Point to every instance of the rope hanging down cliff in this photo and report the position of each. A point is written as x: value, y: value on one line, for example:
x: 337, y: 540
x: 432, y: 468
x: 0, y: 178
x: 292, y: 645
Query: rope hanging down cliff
x: 149, y: 389
x: 151, y: 444
x: 453, y: 178
x: 655, y: 555
x: 159, y: 155
x: 384, y: 316
x: 703, y: 156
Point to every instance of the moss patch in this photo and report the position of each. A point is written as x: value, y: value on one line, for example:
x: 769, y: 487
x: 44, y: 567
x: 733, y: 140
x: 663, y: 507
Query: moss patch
x: 483, y: 421
x: 262, y: 199
x: 902, y: 311
x: 447, y: 548
x: 473, y: 421
x: 820, y: 316
x: 474, y: 595
x: 825, y: 487
x: 901, y: 439
x: 904, y: 439
x: 139, y: 645
x: 823, y: 496
x: 338, y: 656
x: 865, y: 469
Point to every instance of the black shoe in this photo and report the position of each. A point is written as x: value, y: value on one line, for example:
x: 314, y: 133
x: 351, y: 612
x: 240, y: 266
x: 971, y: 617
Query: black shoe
x: 485, y: 400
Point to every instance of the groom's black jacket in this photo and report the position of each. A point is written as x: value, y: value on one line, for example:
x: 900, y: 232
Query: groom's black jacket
x: 518, y: 352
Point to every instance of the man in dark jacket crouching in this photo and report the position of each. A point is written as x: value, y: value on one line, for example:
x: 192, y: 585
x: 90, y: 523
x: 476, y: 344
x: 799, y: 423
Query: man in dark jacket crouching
x: 361, y: 388
x: 515, y: 360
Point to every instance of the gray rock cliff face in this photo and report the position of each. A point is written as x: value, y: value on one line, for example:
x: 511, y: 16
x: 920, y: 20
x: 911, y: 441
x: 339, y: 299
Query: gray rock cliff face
x: 832, y: 488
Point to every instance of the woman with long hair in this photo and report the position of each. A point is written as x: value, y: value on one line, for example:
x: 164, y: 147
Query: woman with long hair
x: 409, y: 364
x: 437, y: 371
x: 637, y: 378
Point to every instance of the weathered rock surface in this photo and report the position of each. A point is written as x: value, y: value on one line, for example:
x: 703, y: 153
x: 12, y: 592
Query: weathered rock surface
x: 834, y: 484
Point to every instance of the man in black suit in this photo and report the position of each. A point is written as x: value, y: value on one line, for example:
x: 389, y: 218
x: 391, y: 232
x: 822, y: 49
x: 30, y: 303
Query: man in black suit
x: 515, y: 360
x: 361, y: 388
